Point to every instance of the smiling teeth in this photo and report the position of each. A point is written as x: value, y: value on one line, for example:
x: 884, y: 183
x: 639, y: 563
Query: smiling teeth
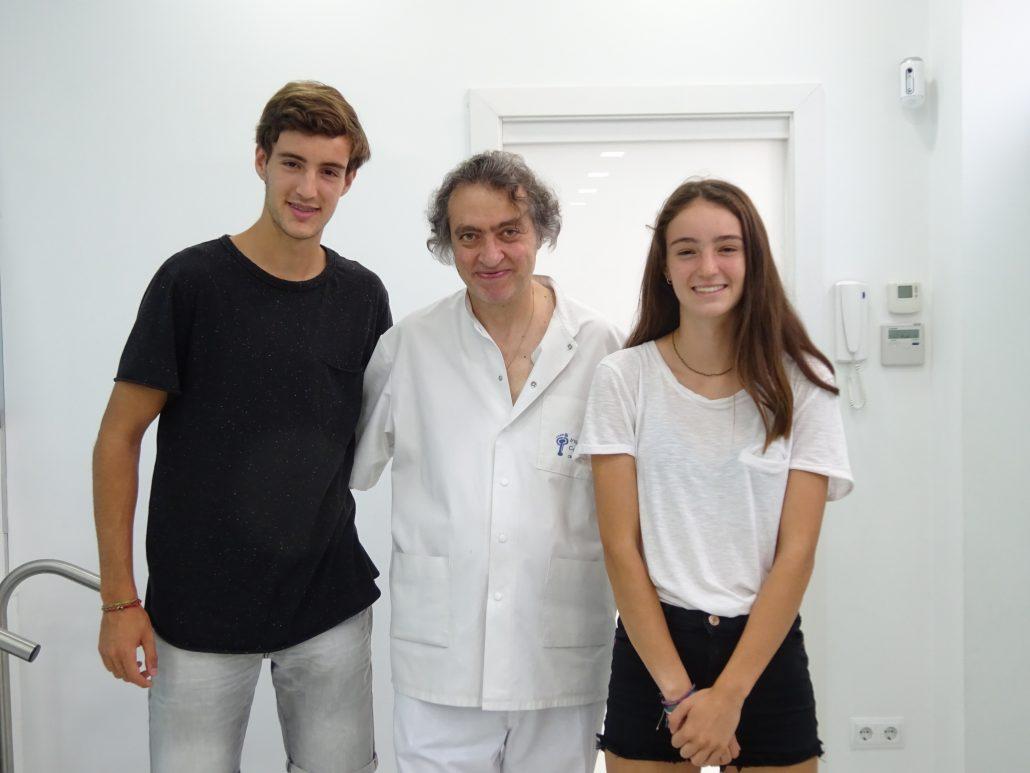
x: 716, y: 288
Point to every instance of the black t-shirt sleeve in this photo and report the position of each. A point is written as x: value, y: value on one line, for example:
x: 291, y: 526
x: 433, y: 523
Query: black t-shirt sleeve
x: 155, y: 353
x: 383, y: 321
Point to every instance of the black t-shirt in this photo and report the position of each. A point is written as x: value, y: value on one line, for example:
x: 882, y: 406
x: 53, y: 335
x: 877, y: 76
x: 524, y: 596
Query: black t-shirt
x: 251, y: 542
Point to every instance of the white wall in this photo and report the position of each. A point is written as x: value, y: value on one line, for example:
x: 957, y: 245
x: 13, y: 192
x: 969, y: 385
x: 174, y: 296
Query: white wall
x: 126, y: 136
x: 995, y: 274
x: 943, y: 444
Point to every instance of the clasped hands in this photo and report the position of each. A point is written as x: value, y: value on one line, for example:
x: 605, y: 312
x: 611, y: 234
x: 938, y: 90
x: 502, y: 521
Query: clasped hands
x: 703, y: 728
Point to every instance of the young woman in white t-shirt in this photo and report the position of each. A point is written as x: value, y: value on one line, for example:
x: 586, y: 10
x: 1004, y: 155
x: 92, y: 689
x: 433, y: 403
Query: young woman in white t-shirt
x: 716, y: 440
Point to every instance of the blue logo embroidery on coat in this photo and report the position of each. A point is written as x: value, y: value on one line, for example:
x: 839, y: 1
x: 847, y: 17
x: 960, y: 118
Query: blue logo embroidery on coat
x: 564, y: 440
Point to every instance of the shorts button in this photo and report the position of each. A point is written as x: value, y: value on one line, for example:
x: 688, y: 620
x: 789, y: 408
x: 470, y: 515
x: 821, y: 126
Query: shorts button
x: 713, y: 619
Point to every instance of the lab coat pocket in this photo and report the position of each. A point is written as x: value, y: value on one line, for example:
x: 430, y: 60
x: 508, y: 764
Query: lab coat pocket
x: 420, y: 599
x: 577, y: 608
x: 561, y: 419
x: 771, y: 460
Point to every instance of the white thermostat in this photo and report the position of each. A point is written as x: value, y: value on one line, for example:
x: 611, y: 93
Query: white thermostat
x: 904, y: 298
x: 902, y: 345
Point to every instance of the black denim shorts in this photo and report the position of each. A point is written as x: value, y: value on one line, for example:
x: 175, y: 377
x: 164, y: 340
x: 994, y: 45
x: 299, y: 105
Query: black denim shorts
x: 777, y: 722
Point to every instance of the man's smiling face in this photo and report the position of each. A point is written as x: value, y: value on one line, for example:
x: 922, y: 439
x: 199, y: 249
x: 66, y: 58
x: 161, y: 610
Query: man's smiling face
x: 494, y: 243
x: 305, y: 175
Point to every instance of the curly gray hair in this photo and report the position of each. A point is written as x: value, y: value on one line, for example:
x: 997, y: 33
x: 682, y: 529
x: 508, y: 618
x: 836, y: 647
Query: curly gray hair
x: 503, y: 171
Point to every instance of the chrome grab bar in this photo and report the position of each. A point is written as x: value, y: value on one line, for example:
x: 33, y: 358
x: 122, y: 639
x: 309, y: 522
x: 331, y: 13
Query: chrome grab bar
x: 27, y: 650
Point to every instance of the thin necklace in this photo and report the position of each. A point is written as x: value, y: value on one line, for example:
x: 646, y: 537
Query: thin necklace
x: 532, y: 313
x: 695, y: 370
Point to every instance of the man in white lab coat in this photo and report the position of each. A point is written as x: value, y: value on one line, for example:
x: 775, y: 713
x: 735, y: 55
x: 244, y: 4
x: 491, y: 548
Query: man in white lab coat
x: 502, y: 616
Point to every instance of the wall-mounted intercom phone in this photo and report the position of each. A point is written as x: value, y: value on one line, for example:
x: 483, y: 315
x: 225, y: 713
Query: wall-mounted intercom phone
x: 852, y: 323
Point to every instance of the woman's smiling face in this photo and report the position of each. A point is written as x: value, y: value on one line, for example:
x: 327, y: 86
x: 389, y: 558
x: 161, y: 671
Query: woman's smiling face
x: 705, y: 260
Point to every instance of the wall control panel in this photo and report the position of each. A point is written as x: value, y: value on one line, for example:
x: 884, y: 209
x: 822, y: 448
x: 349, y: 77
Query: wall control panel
x: 902, y: 344
x: 904, y: 298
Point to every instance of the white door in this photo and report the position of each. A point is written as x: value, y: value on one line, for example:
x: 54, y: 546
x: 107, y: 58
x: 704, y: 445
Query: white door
x: 611, y: 192
x: 612, y: 175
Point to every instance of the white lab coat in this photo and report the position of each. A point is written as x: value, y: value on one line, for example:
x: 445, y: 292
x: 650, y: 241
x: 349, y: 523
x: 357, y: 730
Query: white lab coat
x: 499, y: 593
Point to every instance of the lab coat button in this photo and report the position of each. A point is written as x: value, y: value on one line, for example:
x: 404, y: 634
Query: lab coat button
x: 503, y: 481
x: 532, y: 384
x: 498, y: 596
x: 502, y: 537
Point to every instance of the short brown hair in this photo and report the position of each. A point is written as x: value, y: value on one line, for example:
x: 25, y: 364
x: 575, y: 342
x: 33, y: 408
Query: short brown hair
x: 311, y: 107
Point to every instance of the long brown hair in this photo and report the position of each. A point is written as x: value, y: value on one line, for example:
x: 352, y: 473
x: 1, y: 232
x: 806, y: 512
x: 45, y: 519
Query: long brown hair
x: 767, y: 327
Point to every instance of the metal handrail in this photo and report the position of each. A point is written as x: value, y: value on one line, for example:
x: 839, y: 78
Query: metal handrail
x: 16, y: 645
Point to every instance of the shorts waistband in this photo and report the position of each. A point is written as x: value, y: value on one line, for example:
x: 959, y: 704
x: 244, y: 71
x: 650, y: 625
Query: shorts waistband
x: 697, y: 619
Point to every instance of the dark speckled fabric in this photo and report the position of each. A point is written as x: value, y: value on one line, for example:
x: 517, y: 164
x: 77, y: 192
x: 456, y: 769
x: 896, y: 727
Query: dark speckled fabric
x: 251, y: 542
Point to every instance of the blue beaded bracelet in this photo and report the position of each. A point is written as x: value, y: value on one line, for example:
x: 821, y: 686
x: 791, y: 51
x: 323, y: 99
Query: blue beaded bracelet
x: 670, y: 706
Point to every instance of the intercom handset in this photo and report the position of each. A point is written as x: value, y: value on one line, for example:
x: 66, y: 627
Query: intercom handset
x: 852, y: 323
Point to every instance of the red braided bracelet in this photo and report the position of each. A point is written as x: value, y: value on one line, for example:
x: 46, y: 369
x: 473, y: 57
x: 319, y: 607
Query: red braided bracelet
x: 118, y: 606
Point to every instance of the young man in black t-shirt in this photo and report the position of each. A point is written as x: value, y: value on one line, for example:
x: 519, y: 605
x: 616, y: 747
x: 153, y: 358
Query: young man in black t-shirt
x: 251, y: 348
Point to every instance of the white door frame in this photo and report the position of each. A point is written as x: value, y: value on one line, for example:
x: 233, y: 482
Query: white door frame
x: 801, y: 104
x: 5, y: 551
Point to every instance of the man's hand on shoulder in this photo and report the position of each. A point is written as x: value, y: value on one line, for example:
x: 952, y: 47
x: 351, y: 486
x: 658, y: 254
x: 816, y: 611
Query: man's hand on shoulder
x: 121, y: 634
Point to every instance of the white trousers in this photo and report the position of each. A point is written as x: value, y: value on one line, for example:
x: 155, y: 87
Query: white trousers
x: 430, y: 738
x: 200, y: 704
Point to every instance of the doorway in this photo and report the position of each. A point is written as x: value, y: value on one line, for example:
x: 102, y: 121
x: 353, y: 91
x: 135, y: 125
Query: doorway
x: 610, y: 193
x: 613, y: 155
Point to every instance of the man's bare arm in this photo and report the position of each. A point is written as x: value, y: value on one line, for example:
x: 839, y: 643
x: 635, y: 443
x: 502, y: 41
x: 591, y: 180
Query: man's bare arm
x: 131, y: 409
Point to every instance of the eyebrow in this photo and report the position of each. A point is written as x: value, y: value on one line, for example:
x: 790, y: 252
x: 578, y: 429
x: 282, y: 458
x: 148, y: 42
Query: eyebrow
x: 506, y: 224
x: 295, y: 157
x: 692, y: 240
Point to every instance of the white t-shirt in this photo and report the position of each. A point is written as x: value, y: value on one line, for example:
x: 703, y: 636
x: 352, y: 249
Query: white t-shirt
x: 709, y: 498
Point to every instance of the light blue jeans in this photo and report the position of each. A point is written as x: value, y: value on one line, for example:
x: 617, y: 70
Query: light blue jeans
x: 200, y: 704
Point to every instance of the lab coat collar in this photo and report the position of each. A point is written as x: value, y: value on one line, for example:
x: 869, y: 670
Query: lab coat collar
x: 566, y: 316
x: 554, y: 352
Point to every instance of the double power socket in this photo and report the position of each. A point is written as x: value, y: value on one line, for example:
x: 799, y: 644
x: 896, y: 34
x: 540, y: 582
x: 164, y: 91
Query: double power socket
x: 877, y: 732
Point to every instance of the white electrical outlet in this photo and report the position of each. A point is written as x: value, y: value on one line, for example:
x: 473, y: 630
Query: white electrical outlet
x: 877, y: 732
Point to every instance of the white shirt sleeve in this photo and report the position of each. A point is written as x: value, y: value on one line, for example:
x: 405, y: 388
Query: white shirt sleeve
x: 609, y: 425
x: 374, y: 446
x: 818, y: 437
